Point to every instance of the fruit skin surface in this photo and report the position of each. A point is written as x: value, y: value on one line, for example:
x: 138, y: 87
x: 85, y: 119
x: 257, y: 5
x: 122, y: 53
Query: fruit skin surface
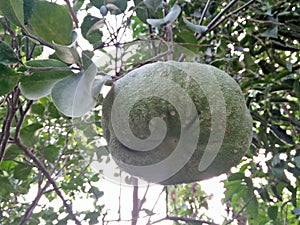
x: 238, y: 122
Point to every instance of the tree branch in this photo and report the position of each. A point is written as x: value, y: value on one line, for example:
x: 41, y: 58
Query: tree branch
x: 189, y: 220
x: 231, y: 14
x: 184, y: 219
x: 21, y: 119
x: 11, y: 111
x: 32, y: 206
x: 74, y: 17
x: 41, y: 167
x: 223, y: 11
x: 217, y: 20
x: 135, y: 202
x: 204, y: 12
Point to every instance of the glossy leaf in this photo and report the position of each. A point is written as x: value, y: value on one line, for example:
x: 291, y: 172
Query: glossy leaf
x: 8, y: 79
x: 40, y: 83
x: 28, y: 134
x: 168, y: 19
x: 7, y: 54
x: 52, y: 23
x: 196, y: 28
x: 13, y: 10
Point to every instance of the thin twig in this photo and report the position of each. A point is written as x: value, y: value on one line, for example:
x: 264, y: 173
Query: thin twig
x: 223, y: 11
x: 135, y: 202
x: 204, y: 12
x: 11, y: 111
x: 41, y: 167
x: 184, y: 219
x: 33, y: 205
x: 143, y: 200
x: 230, y: 14
x: 217, y: 20
x: 74, y: 17
x: 155, y: 203
x: 189, y: 220
x: 21, y: 119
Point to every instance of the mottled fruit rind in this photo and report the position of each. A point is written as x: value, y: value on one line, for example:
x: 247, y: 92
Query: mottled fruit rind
x: 237, y: 130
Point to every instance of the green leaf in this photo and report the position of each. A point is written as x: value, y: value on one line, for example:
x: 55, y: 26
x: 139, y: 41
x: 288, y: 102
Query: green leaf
x: 153, y: 4
x: 272, y: 32
x: 272, y: 212
x: 168, y: 19
x: 97, y: 3
x: 140, y: 10
x: 52, y: 111
x: 13, y: 151
x: 68, y: 54
x: 77, y: 4
x: 8, y: 79
x: 51, y: 153
x: 116, y: 7
x: 232, y: 190
x: 96, y: 192
x: 37, y: 109
x: 73, y: 95
x: 13, y: 10
x: 196, y: 28
x: 148, y: 212
x: 90, y: 29
x: 297, y: 88
x: 28, y: 134
x: 98, y: 84
x: 40, y: 83
x: 297, y: 161
x: 92, y: 217
x: 7, y: 55
x: 6, y: 187
x: 28, y: 9
x: 52, y: 23
x: 252, y: 207
x: 22, y: 171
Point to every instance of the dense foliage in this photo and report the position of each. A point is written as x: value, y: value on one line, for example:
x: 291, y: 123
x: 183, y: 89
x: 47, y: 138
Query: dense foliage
x: 46, y: 49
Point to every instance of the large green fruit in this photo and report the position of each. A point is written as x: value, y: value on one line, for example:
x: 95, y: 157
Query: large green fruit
x: 176, y: 122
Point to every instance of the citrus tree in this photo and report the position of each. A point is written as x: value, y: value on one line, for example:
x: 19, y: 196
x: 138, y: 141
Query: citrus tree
x: 55, y: 59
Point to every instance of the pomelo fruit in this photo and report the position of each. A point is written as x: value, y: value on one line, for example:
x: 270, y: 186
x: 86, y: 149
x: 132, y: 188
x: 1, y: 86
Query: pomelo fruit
x: 176, y: 122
